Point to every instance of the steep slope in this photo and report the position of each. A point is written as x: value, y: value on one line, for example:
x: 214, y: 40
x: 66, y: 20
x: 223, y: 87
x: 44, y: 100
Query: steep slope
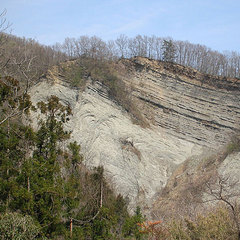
x: 187, y: 115
x: 199, y: 108
x: 197, y: 183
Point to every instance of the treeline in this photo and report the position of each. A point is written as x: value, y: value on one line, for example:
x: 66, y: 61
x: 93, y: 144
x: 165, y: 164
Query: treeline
x: 26, y: 59
x: 29, y: 59
x: 197, y: 56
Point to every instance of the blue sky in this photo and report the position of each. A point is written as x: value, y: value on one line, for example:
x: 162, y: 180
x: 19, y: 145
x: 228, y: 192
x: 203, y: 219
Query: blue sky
x: 214, y: 23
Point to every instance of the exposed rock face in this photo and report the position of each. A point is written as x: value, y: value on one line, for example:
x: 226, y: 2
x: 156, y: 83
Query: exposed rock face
x: 186, y: 117
x: 184, y: 103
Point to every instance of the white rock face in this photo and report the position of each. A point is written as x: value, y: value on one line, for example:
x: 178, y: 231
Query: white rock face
x: 137, y: 161
x: 190, y: 118
x: 230, y: 168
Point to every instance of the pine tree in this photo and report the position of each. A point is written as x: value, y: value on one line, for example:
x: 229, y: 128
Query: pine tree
x: 169, y: 51
x: 42, y: 178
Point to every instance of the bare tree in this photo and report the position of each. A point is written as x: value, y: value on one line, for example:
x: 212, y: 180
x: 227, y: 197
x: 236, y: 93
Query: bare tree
x: 4, y: 26
x: 226, y: 190
x: 196, y: 56
x: 122, y: 45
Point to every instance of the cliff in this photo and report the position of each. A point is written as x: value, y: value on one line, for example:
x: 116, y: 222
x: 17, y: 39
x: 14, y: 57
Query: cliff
x: 198, y: 108
x: 189, y: 114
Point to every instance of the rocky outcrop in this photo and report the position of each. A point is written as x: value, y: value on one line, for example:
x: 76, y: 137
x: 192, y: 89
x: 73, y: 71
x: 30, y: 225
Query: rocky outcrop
x: 186, y: 103
x: 186, y: 116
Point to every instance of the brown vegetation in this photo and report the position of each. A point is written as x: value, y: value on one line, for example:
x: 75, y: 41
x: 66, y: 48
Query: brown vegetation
x: 216, y: 224
x: 187, y: 187
x: 77, y: 72
x: 196, y: 56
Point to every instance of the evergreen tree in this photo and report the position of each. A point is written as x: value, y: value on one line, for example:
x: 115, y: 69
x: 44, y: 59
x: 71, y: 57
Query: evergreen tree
x: 132, y: 225
x: 14, y: 226
x: 169, y: 51
x: 40, y: 177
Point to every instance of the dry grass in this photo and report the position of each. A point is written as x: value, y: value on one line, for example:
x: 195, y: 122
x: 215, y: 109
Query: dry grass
x: 128, y: 146
x: 183, y: 194
x: 110, y: 74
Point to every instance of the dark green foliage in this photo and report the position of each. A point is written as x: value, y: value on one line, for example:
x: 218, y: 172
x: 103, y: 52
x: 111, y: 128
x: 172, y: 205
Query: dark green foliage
x: 169, y: 51
x: 40, y: 179
x: 76, y: 157
x: 74, y: 73
x: 14, y: 226
x: 131, y: 226
x: 13, y: 102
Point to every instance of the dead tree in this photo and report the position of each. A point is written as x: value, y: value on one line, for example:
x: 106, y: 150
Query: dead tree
x: 226, y: 190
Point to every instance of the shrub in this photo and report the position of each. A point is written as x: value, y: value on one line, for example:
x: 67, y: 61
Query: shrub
x: 14, y: 226
x: 215, y: 225
x: 233, y: 146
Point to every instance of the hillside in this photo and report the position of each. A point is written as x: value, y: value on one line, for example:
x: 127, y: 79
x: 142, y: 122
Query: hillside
x: 176, y: 113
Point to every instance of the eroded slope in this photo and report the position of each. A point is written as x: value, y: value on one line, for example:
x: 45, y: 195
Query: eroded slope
x: 190, y: 105
x: 186, y: 117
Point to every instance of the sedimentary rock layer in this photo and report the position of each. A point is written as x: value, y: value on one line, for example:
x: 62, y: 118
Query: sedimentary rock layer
x: 186, y: 117
x: 190, y: 105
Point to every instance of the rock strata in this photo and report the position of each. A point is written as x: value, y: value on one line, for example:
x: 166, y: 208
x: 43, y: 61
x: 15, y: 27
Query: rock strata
x: 184, y: 103
x: 186, y: 116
